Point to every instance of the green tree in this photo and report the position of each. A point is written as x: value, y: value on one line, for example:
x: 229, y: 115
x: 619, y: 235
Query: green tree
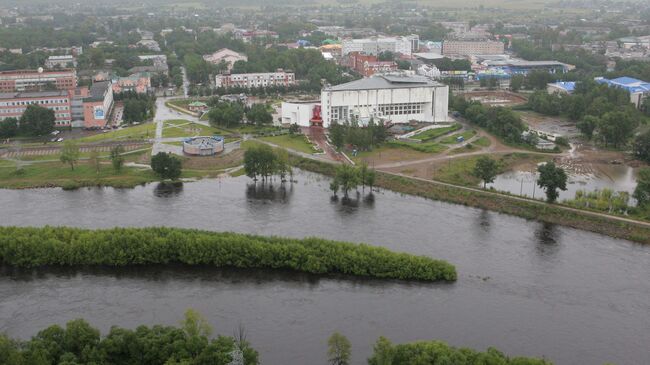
x: 383, y: 352
x: 259, y: 114
x: 337, y: 135
x: 117, y: 160
x: 166, y: 166
x: 37, y: 121
x: 294, y: 128
x: 516, y: 82
x: 641, y: 146
x: 8, y: 128
x: 588, y: 125
x: 338, y: 349
x: 226, y: 115
x: 70, y: 153
x: 348, y: 178
x: 616, y: 128
x: 551, y: 178
x: 195, y: 325
x: 642, y: 190
x: 486, y: 169
x: 260, y: 160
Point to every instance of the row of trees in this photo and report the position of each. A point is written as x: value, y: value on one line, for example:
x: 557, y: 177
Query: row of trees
x: 339, y: 352
x: 349, y: 177
x: 35, y: 121
x: 263, y: 161
x: 137, y: 107
x: 80, y: 343
x: 227, y: 114
x: 34, y: 247
x: 359, y: 137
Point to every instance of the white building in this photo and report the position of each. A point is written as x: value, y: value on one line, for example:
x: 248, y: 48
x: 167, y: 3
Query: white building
x: 394, y: 98
x: 60, y: 62
x: 225, y: 55
x: 299, y: 112
x: 252, y: 80
x: 376, y: 45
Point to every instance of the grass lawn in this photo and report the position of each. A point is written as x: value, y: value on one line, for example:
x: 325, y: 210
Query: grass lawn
x: 427, y: 147
x: 387, y: 153
x: 297, y: 142
x: 437, y: 132
x: 453, y: 138
x: 482, y: 142
x: 184, y: 128
x: 56, y: 174
x: 138, y: 132
x: 459, y: 171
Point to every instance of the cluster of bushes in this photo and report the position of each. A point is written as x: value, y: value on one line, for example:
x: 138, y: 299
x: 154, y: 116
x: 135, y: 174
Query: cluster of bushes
x: 137, y: 107
x: 361, y: 137
x: 79, y: 343
x: 500, y: 121
x: 605, y: 200
x: 438, y: 352
x: 31, y: 247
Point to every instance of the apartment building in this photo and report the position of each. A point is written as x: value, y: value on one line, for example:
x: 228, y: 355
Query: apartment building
x: 13, y: 104
x: 466, y: 48
x: 35, y: 80
x: 252, y: 80
x: 376, y: 45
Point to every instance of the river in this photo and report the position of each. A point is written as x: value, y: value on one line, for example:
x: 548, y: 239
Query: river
x: 525, y: 287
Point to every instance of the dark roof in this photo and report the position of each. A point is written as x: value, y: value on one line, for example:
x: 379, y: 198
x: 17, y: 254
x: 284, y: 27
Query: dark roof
x: 98, y: 90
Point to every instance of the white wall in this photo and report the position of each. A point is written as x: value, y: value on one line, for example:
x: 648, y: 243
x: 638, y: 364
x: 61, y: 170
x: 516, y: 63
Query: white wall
x: 297, y: 113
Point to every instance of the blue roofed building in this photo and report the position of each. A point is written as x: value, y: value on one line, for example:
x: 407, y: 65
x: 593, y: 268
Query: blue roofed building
x: 561, y: 87
x: 638, y: 89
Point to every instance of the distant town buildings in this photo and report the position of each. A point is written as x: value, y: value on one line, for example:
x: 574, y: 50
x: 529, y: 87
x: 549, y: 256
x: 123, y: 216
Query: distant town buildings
x: 35, y: 80
x: 394, y: 98
x: 138, y: 82
x: 368, y: 65
x: 67, y: 61
x: 377, y: 45
x: 225, y: 55
x: 638, y: 89
x: 252, y: 35
x: 518, y: 66
x: 252, y: 80
x: 467, y: 48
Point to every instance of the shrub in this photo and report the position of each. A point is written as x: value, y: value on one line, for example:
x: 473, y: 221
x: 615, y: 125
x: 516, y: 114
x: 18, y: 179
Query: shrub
x: 31, y: 247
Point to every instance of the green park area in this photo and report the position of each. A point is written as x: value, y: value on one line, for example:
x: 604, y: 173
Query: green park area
x: 296, y: 142
x: 466, y: 135
x: 136, y: 132
x: 436, y: 132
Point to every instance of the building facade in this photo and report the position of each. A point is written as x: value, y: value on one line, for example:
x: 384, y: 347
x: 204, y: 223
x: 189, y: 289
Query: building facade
x: 13, y: 104
x: 368, y: 65
x: 376, y: 45
x: 464, y: 48
x: 35, y: 80
x: 60, y: 62
x: 397, y: 99
x: 638, y: 89
x: 253, y: 80
x: 97, y: 106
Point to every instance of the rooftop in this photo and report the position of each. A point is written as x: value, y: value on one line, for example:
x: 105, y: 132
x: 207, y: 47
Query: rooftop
x: 629, y: 83
x: 569, y: 86
x: 386, y: 82
x: 34, y: 94
x: 98, y: 90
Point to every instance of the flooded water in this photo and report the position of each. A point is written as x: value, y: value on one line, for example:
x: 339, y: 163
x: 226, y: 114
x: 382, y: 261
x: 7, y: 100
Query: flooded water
x: 615, y: 177
x: 525, y: 287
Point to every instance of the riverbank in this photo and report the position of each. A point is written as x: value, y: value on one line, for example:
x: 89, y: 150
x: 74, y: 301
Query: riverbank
x: 61, y: 246
x: 521, y: 207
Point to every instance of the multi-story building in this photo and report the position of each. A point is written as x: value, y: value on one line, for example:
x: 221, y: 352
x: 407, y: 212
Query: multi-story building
x: 97, y: 106
x: 35, y: 80
x: 394, y: 98
x: 225, y: 55
x: 464, y: 48
x: 251, y: 35
x: 139, y: 83
x: 523, y: 67
x: 252, y: 80
x: 13, y: 104
x: 67, y: 61
x: 368, y: 65
x: 376, y: 45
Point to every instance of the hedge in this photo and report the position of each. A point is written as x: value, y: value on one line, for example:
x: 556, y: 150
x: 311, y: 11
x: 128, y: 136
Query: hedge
x: 33, y: 247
